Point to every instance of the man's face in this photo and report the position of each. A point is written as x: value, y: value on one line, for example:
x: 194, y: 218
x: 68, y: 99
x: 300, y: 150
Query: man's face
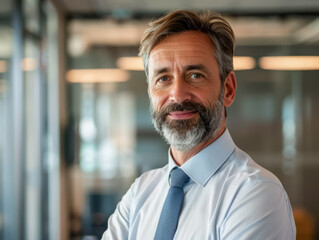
x: 185, y: 89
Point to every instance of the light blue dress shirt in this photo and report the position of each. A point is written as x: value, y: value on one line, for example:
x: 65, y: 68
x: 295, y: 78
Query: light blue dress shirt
x: 228, y: 197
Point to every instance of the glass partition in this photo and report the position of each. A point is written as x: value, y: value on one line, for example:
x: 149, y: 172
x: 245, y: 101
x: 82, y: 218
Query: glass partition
x: 5, y: 65
x: 25, y: 148
x: 32, y: 138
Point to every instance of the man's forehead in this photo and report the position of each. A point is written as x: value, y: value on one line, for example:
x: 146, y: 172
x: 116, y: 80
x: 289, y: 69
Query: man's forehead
x: 183, y: 41
x: 190, y: 48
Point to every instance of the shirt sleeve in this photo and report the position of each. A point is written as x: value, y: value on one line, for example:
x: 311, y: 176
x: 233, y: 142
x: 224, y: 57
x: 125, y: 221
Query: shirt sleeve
x: 118, y: 223
x: 262, y: 211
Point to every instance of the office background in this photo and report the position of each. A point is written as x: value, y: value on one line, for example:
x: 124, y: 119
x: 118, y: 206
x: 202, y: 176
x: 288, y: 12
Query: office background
x: 75, y: 129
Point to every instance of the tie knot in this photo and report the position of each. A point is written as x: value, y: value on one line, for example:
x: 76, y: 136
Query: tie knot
x: 178, y: 178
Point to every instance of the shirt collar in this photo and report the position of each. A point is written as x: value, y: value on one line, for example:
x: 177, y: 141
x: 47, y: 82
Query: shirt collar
x: 201, y: 167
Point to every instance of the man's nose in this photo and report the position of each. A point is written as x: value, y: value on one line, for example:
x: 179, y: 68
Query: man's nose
x: 180, y: 91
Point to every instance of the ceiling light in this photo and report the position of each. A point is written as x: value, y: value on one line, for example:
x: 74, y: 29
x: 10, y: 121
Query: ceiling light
x: 290, y: 63
x: 29, y: 64
x: 130, y: 63
x: 244, y: 63
x: 3, y: 66
x: 96, y: 75
x: 108, y: 32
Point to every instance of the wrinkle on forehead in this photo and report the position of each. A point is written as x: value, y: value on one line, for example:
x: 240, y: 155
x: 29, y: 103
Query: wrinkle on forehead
x: 189, y: 47
x: 181, y: 42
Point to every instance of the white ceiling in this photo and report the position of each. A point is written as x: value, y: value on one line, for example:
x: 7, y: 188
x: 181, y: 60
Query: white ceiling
x: 250, y: 29
x: 84, y: 34
x: 270, y: 30
x: 234, y: 6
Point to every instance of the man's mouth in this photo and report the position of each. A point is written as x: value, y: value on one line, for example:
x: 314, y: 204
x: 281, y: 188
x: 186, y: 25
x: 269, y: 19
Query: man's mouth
x: 181, y: 115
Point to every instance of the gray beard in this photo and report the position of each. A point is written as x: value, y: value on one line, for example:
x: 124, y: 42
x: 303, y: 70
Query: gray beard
x: 183, y: 135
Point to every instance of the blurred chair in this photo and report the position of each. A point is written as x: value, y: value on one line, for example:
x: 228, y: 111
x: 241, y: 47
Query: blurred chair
x: 305, y: 224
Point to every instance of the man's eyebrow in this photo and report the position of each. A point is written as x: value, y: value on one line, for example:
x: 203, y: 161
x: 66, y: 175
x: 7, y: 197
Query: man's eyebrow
x: 160, y: 70
x: 197, y: 67
x: 187, y: 68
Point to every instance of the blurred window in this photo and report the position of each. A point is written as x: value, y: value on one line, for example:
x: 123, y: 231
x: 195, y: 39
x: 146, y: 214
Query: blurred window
x: 26, y: 151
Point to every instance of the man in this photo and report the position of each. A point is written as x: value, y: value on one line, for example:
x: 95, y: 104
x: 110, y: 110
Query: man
x: 223, y: 193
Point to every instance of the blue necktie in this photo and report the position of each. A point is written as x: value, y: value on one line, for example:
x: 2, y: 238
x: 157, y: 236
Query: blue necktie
x: 167, y: 223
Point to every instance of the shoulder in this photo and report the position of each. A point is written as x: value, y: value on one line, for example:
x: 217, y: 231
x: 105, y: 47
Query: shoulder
x: 244, y: 170
x: 242, y: 178
x: 255, y: 198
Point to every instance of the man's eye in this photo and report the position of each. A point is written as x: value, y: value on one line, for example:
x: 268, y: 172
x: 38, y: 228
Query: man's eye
x: 196, y: 75
x: 162, y: 79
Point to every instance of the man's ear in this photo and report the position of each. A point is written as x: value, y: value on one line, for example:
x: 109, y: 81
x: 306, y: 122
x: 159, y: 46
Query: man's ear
x: 230, y: 89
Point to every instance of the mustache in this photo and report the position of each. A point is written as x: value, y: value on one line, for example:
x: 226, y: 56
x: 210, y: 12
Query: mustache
x: 184, y: 106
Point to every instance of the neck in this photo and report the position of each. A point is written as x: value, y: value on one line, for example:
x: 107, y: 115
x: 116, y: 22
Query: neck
x: 180, y: 157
